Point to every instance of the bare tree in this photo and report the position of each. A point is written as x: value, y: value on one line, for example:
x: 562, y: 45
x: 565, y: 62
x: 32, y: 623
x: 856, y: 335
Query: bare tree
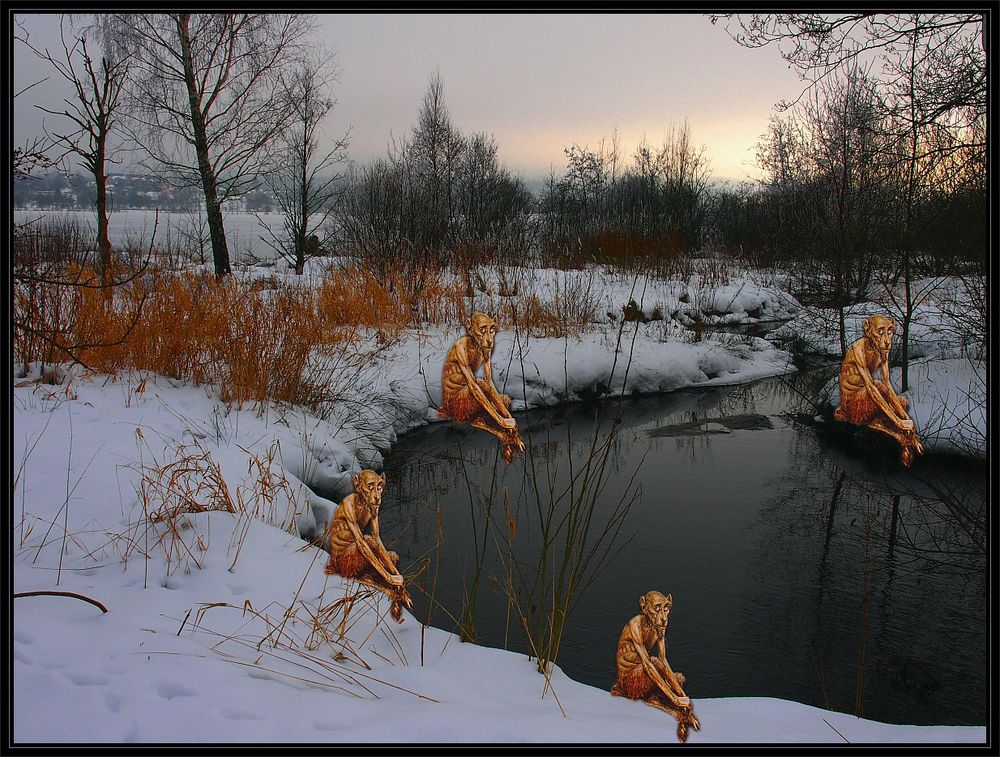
x: 303, y: 181
x: 817, y: 45
x: 92, y: 112
x: 34, y: 154
x: 434, y: 152
x: 932, y: 75
x: 206, y: 101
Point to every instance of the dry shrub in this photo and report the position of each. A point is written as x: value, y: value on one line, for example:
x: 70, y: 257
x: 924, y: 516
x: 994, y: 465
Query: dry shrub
x: 391, y: 302
x: 660, y: 255
x: 253, y: 342
x: 46, y: 241
x: 266, y: 344
x: 532, y: 316
x: 44, y: 312
x: 191, y: 481
x: 353, y: 295
x: 571, y: 311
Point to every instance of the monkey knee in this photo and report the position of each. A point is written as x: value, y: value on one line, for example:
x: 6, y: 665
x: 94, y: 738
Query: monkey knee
x: 680, y: 677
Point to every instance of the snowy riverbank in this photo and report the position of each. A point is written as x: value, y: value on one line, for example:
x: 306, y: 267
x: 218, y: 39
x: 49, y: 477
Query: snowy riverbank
x: 222, y: 627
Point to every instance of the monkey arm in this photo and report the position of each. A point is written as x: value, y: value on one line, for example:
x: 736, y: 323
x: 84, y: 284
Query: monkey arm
x: 652, y: 672
x: 873, y: 391
x: 477, y: 392
x: 365, y: 550
x: 670, y: 677
x: 891, y: 393
x: 488, y: 375
x: 383, y: 553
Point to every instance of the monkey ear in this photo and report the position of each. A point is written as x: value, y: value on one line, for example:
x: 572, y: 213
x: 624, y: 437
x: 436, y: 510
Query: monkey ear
x: 383, y: 480
x: 356, y: 481
x: 670, y: 600
x: 642, y: 601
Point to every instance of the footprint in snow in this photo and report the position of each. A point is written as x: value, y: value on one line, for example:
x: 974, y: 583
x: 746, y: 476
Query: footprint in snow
x: 169, y: 690
x: 87, y: 679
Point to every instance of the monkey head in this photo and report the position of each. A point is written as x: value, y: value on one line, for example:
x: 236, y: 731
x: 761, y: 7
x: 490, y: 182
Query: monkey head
x: 656, y: 608
x: 483, y: 331
x: 369, y: 485
x: 879, y: 331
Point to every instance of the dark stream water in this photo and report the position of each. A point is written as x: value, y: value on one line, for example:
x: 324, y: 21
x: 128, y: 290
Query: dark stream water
x: 802, y: 565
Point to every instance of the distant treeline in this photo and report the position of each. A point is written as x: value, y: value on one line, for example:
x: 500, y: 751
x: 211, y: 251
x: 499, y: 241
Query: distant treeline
x: 59, y: 190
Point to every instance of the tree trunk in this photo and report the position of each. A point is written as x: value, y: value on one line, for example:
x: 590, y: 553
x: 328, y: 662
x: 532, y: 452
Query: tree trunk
x: 213, y: 207
x: 907, y: 316
x: 103, y: 240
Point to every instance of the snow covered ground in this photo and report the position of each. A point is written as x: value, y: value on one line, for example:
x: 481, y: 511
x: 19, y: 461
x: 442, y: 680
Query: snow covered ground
x: 167, y: 662
x: 222, y: 627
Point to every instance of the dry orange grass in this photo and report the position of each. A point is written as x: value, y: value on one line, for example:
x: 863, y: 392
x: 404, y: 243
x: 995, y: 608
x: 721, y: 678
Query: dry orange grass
x: 256, y: 342
x: 392, y: 303
x: 252, y: 341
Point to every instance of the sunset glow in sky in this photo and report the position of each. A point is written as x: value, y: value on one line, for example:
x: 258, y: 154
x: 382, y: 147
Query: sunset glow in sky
x: 537, y: 82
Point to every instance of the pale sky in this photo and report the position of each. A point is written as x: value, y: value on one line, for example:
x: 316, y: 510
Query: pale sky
x: 537, y: 82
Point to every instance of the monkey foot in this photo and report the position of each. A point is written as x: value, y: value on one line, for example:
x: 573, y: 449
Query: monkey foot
x: 514, y: 441
x: 682, y: 732
x: 396, y: 610
x: 906, y: 457
x: 508, y: 454
x: 687, y: 720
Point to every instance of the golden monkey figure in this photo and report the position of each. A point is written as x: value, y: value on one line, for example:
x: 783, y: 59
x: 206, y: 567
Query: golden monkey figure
x: 868, y: 401
x: 650, y: 679
x: 476, y: 401
x: 354, y: 554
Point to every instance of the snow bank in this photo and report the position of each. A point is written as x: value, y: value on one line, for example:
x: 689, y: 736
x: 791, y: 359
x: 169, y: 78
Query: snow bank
x: 736, y: 298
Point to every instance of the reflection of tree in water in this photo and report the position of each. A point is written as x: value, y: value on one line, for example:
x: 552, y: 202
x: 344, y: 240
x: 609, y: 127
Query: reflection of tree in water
x: 877, y: 585
x: 498, y: 515
x: 897, y: 564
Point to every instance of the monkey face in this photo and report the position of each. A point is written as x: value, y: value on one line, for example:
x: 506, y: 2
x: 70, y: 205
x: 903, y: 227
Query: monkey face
x: 879, y: 331
x: 656, y: 608
x: 369, y: 485
x: 483, y: 331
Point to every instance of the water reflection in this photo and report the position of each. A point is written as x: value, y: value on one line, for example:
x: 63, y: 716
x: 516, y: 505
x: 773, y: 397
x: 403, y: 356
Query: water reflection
x: 802, y: 567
